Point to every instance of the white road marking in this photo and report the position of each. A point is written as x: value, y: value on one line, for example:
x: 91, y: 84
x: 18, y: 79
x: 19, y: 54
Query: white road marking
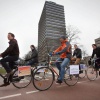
x: 82, y: 81
x: 10, y: 96
x: 32, y: 92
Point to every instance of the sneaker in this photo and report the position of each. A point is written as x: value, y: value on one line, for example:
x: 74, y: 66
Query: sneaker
x: 59, y: 81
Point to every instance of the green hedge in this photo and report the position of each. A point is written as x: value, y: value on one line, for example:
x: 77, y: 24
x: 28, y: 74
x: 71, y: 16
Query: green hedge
x: 2, y: 71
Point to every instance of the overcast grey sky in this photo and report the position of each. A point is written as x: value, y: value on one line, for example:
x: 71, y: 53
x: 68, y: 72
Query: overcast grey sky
x: 21, y: 17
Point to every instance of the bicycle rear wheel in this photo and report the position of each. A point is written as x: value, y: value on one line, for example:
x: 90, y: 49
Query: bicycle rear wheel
x: 92, y: 73
x: 70, y: 80
x: 43, y: 78
x: 20, y: 81
x: 82, y: 74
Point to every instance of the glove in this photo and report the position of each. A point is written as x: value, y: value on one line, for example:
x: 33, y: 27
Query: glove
x: 50, y: 53
x: 57, y: 53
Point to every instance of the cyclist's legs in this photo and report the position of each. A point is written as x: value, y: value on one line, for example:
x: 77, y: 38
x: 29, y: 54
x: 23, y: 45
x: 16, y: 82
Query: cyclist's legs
x: 63, y: 65
x: 78, y: 60
x: 31, y: 62
x: 11, y: 64
x: 97, y: 62
x: 58, y: 64
x: 8, y: 59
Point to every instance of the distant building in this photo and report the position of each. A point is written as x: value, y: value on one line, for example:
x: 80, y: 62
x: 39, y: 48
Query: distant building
x: 97, y: 41
x: 50, y: 28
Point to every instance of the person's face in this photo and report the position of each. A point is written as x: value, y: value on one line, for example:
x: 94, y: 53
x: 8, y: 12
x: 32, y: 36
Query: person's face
x: 66, y: 39
x: 10, y: 37
x: 94, y: 47
x: 61, y: 40
x: 75, y: 46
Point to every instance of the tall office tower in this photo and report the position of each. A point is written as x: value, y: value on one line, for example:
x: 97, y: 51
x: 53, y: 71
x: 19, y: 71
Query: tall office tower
x: 50, y: 28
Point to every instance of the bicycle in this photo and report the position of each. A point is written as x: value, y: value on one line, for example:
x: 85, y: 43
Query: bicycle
x: 92, y: 72
x: 18, y: 81
x: 82, y: 69
x: 47, y: 74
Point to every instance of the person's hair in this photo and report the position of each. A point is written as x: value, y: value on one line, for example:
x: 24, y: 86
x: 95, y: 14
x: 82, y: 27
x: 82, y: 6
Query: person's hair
x: 33, y: 46
x: 94, y: 45
x: 75, y: 45
x: 12, y: 34
x: 63, y: 37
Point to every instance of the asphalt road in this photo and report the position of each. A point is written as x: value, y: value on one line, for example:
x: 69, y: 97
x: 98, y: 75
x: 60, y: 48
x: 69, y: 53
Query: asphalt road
x: 83, y: 90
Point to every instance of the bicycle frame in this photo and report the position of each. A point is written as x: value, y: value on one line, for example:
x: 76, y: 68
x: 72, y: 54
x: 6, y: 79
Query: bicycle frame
x: 50, y: 62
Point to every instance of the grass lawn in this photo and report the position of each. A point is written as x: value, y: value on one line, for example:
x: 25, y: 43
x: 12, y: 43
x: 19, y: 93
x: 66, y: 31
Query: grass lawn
x: 2, y: 71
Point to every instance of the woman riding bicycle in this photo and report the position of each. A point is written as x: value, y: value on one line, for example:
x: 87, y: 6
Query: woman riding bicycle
x: 34, y: 56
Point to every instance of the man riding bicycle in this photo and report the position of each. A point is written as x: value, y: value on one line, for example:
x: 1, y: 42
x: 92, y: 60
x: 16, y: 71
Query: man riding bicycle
x: 77, y: 55
x: 9, y: 56
x: 65, y: 55
x: 96, y: 51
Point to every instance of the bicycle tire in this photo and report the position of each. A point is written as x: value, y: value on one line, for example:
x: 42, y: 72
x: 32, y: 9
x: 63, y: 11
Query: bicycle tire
x: 24, y: 81
x: 44, y: 79
x: 70, y: 80
x: 92, y: 73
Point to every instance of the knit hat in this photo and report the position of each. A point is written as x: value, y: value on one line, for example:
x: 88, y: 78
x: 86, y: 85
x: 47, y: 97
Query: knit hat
x: 63, y: 37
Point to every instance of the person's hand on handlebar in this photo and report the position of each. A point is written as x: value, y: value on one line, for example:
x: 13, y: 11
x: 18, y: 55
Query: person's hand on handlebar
x: 53, y: 53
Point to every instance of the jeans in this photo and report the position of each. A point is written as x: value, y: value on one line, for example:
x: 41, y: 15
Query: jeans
x: 8, y: 62
x: 97, y: 63
x: 61, y: 67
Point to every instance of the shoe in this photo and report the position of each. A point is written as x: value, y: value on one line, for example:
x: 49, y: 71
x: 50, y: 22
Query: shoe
x: 59, y: 81
x: 5, y: 84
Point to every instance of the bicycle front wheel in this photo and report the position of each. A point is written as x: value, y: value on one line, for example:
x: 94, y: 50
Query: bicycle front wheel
x: 20, y: 81
x: 92, y: 73
x: 72, y: 79
x: 43, y: 78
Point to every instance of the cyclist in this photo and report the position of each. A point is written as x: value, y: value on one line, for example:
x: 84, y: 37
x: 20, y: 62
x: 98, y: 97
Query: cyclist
x: 34, y: 56
x: 77, y: 55
x: 10, y: 55
x: 96, y: 51
x: 65, y: 55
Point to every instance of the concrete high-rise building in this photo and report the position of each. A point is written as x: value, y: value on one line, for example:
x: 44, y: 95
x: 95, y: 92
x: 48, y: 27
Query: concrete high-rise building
x: 50, y: 28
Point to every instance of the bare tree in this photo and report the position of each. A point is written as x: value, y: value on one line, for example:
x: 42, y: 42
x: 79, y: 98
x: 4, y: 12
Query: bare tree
x: 72, y: 34
x: 84, y: 51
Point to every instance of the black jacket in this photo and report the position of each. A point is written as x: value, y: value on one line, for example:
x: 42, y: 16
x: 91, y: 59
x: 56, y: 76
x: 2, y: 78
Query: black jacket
x: 34, y: 55
x: 12, y: 50
x: 77, y: 53
x: 97, y: 52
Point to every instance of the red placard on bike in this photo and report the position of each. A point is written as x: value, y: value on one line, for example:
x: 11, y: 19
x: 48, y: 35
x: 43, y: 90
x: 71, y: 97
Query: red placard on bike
x: 24, y: 70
